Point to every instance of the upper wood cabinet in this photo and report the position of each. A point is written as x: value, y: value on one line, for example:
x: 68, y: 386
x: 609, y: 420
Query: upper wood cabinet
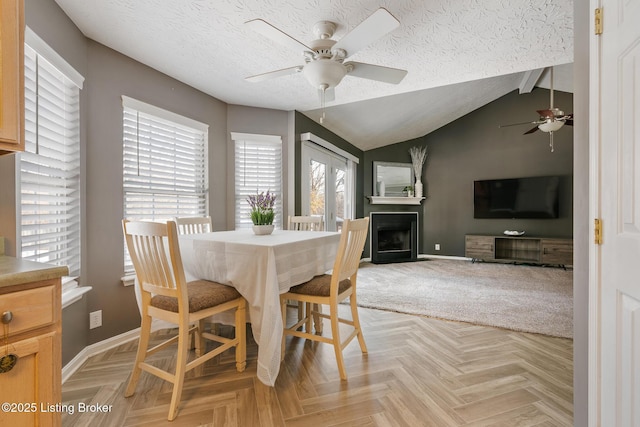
x: 11, y: 76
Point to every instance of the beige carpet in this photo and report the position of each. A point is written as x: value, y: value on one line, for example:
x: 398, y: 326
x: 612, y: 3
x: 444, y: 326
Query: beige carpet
x: 518, y: 297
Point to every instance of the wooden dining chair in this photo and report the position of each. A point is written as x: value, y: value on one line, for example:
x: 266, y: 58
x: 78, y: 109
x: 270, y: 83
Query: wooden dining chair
x: 166, y: 295
x: 306, y: 223
x: 194, y: 224
x: 331, y: 290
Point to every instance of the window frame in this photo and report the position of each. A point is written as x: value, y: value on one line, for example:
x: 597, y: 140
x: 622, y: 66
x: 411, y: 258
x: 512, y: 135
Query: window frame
x: 241, y: 191
x: 175, y: 140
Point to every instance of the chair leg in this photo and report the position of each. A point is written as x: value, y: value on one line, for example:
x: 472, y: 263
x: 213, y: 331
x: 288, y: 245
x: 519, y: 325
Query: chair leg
x: 143, y: 344
x: 317, y: 320
x: 241, y: 336
x: 300, y: 310
x: 308, y: 311
x: 356, y: 322
x: 283, y: 308
x: 337, y: 345
x: 198, y: 339
x: 178, y: 379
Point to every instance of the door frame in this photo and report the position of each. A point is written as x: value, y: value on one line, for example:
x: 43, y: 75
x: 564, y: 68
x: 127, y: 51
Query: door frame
x: 333, y: 159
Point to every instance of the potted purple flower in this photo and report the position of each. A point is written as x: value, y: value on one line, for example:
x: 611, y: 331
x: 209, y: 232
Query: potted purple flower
x: 262, y: 212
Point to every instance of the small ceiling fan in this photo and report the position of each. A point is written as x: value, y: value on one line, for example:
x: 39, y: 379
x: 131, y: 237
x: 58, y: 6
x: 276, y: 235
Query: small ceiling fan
x: 324, y: 58
x: 551, y: 119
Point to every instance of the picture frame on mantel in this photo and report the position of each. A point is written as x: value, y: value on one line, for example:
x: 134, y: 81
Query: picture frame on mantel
x: 394, y: 176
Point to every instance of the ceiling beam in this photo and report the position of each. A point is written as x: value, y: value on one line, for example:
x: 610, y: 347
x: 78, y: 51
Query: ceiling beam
x: 529, y: 80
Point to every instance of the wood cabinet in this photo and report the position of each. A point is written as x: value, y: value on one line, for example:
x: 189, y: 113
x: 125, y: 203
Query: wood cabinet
x: 32, y: 388
x: 11, y: 76
x: 535, y: 250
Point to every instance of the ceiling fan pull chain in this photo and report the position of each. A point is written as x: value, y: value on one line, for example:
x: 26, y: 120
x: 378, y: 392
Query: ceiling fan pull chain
x: 323, y: 88
x: 551, y: 141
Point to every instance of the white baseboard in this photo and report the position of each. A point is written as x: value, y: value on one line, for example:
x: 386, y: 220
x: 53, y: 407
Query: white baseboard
x: 104, y: 345
x: 93, y: 349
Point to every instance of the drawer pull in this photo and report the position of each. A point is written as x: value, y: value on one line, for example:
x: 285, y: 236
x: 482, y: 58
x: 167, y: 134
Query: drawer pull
x: 7, y: 317
x: 8, y: 361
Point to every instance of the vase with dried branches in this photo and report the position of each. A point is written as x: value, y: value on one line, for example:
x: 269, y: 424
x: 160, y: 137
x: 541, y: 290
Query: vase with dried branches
x: 418, y: 157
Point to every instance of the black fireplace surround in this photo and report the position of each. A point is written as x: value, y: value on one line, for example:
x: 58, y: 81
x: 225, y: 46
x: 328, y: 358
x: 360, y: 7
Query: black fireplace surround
x: 393, y: 236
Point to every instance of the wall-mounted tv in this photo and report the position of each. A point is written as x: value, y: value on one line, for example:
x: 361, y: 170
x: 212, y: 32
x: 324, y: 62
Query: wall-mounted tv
x: 532, y: 197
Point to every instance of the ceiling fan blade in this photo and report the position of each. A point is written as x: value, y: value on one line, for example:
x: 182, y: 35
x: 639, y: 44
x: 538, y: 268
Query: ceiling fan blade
x: 545, y: 113
x: 329, y: 95
x: 519, y: 124
x: 531, y: 131
x: 274, y: 74
x: 371, y: 29
x: 277, y: 35
x: 376, y: 72
x: 569, y: 119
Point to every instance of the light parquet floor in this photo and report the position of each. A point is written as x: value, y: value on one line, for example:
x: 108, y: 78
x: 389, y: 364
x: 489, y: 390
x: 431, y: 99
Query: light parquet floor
x: 419, y: 372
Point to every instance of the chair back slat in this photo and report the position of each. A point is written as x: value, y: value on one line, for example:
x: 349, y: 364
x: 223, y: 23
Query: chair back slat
x: 306, y: 223
x: 154, y: 250
x: 354, y: 235
x: 194, y: 224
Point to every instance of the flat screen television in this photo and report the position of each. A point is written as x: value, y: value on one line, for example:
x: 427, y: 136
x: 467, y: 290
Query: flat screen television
x: 532, y: 197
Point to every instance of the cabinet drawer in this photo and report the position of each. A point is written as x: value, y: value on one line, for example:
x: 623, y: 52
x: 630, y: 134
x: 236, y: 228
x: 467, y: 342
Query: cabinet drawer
x: 31, y: 309
x: 557, y: 251
x: 481, y: 247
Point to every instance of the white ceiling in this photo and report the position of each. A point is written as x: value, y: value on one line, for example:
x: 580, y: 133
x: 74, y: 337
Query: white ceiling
x: 460, y: 54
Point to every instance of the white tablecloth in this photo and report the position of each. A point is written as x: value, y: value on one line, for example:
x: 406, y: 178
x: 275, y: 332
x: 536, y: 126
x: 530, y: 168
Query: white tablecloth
x: 260, y: 268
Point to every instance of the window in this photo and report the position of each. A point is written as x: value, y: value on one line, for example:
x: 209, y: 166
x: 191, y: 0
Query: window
x: 165, y: 165
x: 258, y: 168
x: 50, y: 165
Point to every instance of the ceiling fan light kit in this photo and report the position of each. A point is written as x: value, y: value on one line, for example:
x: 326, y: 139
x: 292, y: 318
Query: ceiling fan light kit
x: 551, y: 125
x: 324, y: 57
x: 324, y: 73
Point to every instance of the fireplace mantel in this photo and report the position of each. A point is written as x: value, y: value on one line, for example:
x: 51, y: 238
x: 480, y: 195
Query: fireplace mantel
x: 377, y: 200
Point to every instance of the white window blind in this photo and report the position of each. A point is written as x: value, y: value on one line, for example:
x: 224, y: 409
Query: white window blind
x: 165, y: 165
x: 258, y: 168
x: 50, y: 166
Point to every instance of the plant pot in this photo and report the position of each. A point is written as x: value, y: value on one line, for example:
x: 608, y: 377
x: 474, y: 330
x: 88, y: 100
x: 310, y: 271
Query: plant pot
x: 418, y: 189
x: 262, y: 230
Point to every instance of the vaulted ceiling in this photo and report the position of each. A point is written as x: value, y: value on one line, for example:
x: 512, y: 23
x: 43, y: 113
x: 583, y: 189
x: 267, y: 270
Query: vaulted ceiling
x: 459, y: 54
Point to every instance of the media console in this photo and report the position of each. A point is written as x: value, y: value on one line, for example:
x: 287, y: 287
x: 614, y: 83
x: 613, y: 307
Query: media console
x: 519, y: 249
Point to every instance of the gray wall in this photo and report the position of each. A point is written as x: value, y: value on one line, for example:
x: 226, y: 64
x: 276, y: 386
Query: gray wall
x: 472, y: 148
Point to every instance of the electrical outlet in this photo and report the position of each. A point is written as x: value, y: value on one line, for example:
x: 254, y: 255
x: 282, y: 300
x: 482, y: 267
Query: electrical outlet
x: 437, y: 246
x: 95, y: 319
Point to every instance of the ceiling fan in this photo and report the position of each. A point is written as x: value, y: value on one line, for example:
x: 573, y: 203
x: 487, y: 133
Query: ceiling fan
x: 551, y: 119
x: 324, y: 58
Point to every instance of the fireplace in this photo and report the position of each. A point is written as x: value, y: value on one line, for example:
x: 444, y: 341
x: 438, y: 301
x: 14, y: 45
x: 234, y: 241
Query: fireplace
x: 393, y: 236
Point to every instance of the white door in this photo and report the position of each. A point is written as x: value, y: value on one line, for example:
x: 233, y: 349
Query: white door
x: 325, y: 186
x: 615, y: 290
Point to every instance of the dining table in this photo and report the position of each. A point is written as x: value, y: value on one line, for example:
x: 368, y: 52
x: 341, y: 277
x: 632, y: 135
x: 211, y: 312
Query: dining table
x: 260, y: 267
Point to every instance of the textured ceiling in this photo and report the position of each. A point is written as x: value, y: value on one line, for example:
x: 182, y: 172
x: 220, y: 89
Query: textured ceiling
x: 454, y: 51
